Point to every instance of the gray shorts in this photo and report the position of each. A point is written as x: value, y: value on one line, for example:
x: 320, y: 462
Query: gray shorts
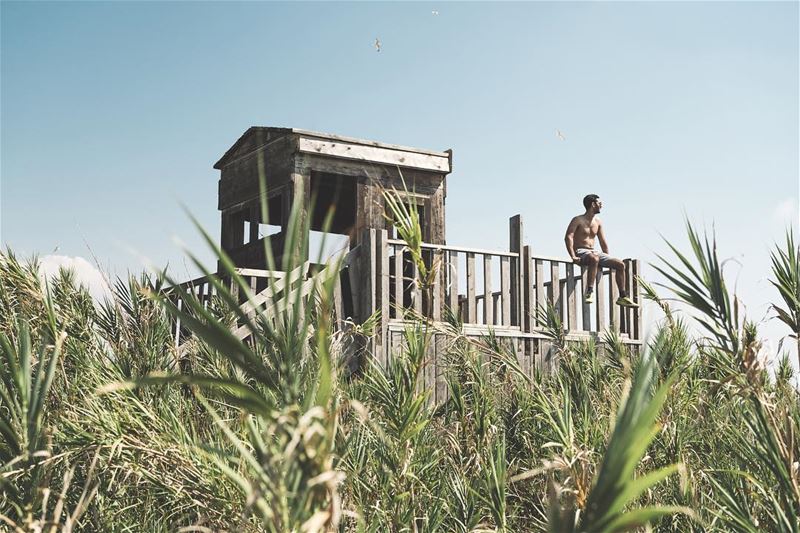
x: 605, y: 259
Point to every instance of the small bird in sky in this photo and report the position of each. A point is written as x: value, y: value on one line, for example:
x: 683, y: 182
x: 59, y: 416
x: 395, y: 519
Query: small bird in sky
x: 560, y: 135
x: 377, y: 44
x: 434, y: 12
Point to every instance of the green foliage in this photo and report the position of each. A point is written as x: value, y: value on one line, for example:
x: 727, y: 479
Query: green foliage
x: 107, y: 426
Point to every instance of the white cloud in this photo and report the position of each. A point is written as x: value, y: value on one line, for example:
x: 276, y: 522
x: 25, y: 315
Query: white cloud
x: 85, y: 273
x: 786, y: 212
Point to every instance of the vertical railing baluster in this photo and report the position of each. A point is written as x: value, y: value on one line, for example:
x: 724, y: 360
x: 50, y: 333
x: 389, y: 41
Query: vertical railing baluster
x: 452, y: 272
x: 528, y: 291
x: 555, y: 288
x: 586, y: 309
x: 637, y: 314
x: 572, y: 310
x: 505, y: 290
x: 601, y: 306
x: 488, y: 311
x: 436, y: 290
x: 541, y: 295
x: 613, y: 311
x: 398, y: 281
x: 471, y: 305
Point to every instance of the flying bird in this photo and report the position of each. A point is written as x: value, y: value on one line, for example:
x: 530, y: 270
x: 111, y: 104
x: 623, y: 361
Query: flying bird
x: 560, y: 135
x: 434, y: 12
x: 377, y: 44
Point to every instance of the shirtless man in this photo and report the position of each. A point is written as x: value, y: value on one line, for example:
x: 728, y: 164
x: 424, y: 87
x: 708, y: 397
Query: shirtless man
x: 580, y: 236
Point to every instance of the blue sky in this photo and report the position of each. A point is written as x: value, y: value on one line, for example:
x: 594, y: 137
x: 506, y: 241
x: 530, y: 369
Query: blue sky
x: 112, y: 115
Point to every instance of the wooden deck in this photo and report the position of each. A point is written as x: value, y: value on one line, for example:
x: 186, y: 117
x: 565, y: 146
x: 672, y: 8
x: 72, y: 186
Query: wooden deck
x: 497, y: 292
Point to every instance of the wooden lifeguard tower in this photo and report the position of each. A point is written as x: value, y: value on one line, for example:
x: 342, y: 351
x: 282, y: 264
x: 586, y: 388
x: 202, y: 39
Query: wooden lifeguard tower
x: 490, y: 290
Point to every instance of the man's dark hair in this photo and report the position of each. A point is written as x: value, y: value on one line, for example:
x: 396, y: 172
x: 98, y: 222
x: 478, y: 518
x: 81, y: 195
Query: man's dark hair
x: 589, y: 199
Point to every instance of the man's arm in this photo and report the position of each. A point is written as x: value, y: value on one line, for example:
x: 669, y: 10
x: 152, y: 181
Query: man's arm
x: 568, y: 240
x: 602, y: 237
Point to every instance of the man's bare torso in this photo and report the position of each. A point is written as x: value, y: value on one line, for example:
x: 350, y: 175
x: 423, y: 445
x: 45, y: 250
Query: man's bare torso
x: 585, y: 231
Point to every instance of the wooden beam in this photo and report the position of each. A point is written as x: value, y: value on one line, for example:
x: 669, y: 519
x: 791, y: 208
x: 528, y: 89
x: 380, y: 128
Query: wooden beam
x: 374, y: 154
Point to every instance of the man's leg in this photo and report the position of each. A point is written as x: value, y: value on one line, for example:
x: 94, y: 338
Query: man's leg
x: 619, y: 273
x: 592, y: 262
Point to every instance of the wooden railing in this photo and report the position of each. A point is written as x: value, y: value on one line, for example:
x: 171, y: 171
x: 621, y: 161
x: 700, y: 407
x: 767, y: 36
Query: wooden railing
x: 258, y: 281
x: 501, y: 289
x: 567, y: 298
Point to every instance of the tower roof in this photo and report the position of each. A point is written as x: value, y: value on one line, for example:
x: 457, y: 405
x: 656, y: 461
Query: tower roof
x: 339, y: 146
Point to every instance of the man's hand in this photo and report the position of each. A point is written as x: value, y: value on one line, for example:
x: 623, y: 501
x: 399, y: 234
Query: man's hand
x: 577, y: 260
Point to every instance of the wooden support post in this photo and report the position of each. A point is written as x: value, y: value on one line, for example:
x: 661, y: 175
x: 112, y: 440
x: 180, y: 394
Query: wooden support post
x: 515, y: 245
x: 528, y: 291
x: 488, y: 316
x: 382, y: 288
x: 338, y: 306
x: 255, y: 217
x: 627, y: 313
x: 368, y: 281
x: 636, y: 295
x: 471, y: 306
x: 572, y: 309
x: 398, y: 281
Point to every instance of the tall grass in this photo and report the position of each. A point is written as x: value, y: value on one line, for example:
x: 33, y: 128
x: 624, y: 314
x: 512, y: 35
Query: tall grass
x: 108, y: 427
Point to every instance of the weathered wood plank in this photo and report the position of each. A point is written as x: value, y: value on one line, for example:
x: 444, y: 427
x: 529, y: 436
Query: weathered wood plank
x: 452, y: 272
x: 255, y: 217
x: 338, y: 304
x: 374, y: 154
x: 471, y: 308
x: 488, y: 311
x: 505, y: 291
x: 586, y: 309
x: 541, y: 293
x: 528, y: 290
x: 462, y: 249
x: 436, y: 290
x: 626, y: 313
x: 555, y: 288
x: 601, y: 305
x: 515, y: 246
x: 637, y: 320
x: 613, y: 311
x: 382, y: 290
x: 572, y: 309
x: 398, y: 281
x: 416, y: 292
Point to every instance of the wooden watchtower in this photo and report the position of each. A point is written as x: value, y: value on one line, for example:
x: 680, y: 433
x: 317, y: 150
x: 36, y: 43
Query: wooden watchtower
x: 499, y: 292
x: 300, y: 165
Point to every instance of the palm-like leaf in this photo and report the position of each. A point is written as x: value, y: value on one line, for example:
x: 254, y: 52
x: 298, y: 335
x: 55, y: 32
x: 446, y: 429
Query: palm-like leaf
x: 786, y: 271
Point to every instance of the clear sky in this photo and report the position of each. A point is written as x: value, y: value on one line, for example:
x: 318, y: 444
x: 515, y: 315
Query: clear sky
x: 114, y: 113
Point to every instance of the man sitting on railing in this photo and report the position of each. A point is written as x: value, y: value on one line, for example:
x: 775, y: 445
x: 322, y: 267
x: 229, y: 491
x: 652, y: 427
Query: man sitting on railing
x: 580, y: 236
